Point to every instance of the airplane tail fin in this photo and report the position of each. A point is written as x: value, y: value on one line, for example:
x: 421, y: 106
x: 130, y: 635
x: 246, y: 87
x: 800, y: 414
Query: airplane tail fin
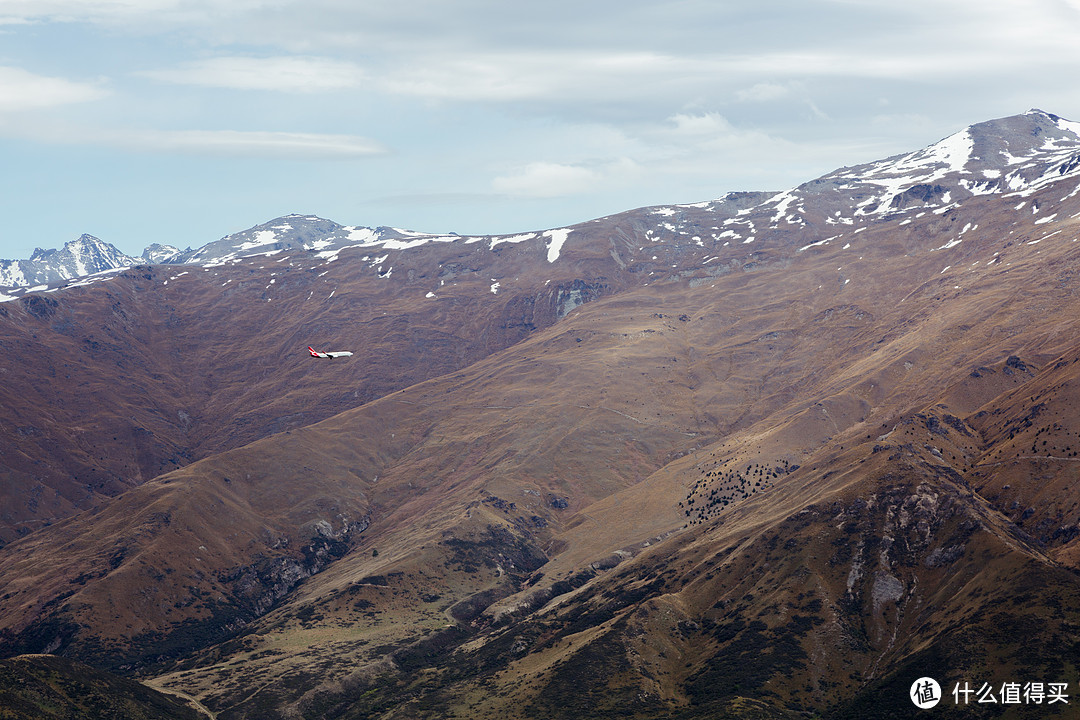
x: 312, y: 351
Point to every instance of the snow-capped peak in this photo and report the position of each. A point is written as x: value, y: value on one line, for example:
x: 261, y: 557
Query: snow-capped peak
x: 158, y: 254
x: 85, y: 255
x: 1017, y: 154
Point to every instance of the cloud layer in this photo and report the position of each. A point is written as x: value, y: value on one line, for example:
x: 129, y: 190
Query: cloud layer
x: 23, y: 90
x: 280, y: 74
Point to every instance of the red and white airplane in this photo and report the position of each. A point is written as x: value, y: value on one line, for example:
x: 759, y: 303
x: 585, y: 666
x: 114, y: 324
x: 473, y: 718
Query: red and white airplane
x: 330, y: 355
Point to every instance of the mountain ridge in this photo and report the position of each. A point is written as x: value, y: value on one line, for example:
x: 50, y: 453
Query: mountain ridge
x: 902, y: 182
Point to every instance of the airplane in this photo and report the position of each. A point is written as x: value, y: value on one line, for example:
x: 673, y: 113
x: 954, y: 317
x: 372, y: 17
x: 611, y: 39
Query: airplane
x: 330, y: 355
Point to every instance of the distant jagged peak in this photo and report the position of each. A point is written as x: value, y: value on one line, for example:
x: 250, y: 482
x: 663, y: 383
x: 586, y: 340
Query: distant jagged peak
x: 87, y: 245
x: 85, y: 239
x: 158, y: 254
x: 85, y: 255
x: 81, y: 245
x: 39, y: 254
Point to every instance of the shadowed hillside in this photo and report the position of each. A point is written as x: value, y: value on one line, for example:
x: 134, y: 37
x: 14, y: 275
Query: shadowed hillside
x: 45, y: 687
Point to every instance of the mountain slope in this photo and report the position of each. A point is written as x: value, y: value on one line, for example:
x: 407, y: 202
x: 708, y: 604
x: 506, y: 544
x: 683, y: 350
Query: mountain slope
x: 709, y: 475
x: 45, y: 687
x: 896, y: 570
x: 215, y: 357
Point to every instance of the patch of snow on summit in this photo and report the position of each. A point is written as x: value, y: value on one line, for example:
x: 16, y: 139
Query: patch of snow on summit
x: 361, y: 234
x: 262, y: 237
x: 925, y: 166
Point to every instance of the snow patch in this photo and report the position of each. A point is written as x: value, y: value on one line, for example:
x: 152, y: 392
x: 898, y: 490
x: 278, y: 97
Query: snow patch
x: 951, y: 244
x: 510, y: 239
x: 361, y: 235
x: 826, y: 241
x: 262, y: 237
x: 558, y: 238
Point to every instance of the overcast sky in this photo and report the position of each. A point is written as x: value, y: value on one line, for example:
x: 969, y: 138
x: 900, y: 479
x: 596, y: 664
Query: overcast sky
x: 180, y: 121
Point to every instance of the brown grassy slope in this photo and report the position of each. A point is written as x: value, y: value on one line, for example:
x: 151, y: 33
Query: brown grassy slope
x: 896, y: 343
x: 802, y: 614
x: 914, y: 360
x: 897, y: 569
x: 486, y: 472
x: 1031, y: 473
x: 199, y: 552
x: 109, y: 385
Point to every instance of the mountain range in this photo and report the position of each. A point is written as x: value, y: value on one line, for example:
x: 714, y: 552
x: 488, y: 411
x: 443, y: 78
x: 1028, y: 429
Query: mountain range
x: 89, y: 256
x: 776, y: 455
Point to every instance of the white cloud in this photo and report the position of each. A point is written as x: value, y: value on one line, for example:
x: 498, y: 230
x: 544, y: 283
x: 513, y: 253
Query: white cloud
x: 456, y: 74
x: 763, y: 92
x: 687, y: 134
x: 893, y: 122
x: 286, y: 74
x: 530, y: 75
x: 126, y: 11
x: 548, y: 179
x: 22, y: 90
x: 215, y: 143
x: 598, y: 76
x: 593, y: 77
x: 248, y: 143
x: 708, y: 124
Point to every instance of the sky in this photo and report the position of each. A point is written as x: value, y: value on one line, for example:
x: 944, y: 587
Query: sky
x: 181, y: 121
